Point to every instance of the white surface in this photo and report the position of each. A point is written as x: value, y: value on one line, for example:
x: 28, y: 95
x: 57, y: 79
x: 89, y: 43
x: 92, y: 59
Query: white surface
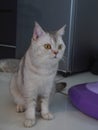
x: 67, y: 117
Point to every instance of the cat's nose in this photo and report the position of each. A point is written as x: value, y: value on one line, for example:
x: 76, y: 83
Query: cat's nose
x: 55, y: 52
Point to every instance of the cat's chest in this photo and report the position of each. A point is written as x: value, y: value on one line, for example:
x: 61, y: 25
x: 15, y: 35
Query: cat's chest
x: 44, y: 84
x: 40, y: 83
x: 42, y: 76
x: 44, y: 81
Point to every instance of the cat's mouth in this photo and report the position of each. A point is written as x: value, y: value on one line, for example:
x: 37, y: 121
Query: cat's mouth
x: 55, y: 56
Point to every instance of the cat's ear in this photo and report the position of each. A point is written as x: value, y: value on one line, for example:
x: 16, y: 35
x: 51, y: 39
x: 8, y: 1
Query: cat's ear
x: 38, y: 31
x: 61, y: 31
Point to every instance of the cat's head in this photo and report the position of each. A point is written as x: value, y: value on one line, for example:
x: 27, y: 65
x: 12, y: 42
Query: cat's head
x: 48, y: 46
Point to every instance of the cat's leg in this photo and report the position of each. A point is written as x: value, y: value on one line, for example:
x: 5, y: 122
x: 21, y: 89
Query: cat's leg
x: 18, y: 99
x: 30, y: 115
x: 45, y: 109
x: 30, y: 97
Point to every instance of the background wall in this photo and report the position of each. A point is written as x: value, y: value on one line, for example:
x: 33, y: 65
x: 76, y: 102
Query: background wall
x: 8, y: 13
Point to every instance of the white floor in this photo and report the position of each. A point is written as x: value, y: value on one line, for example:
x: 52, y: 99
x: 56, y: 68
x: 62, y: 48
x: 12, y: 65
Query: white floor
x: 67, y: 117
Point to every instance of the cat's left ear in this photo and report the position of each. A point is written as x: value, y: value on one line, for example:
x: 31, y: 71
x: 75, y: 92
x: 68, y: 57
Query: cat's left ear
x: 38, y: 31
x: 61, y: 31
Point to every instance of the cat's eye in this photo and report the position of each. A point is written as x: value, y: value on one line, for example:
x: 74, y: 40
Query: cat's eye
x: 60, y: 46
x: 47, y: 46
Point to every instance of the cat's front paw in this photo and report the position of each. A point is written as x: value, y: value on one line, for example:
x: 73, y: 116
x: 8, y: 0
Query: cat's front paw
x: 29, y: 123
x: 47, y: 116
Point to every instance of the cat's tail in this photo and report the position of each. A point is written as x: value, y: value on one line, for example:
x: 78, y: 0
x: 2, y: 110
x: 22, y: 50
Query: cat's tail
x: 60, y: 86
x: 9, y: 65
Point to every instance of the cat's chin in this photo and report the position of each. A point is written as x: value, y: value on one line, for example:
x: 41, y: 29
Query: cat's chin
x: 55, y: 58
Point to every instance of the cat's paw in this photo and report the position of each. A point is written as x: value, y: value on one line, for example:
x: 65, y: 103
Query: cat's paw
x: 47, y: 116
x: 29, y: 123
x: 20, y: 108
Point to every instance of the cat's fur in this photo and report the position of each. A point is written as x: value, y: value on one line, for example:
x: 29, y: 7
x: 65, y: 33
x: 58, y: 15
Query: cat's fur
x: 9, y: 65
x: 35, y: 78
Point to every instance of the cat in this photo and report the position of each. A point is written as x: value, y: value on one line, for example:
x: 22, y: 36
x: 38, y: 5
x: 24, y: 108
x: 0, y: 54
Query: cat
x: 35, y: 80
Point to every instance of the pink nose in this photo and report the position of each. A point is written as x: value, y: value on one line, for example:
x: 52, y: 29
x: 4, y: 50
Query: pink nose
x: 55, y: 52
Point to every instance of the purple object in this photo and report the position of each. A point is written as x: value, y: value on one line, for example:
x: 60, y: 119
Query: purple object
x: 85, y: 98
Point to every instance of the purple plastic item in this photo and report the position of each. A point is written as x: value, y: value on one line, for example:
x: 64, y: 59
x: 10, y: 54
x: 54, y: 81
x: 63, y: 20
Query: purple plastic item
x: 85, y: 98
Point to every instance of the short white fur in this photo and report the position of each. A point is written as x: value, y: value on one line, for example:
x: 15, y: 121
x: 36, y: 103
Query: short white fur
x: 36, y: 74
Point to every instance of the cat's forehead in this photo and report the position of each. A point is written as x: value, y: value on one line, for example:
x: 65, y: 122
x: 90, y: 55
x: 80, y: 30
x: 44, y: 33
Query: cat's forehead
x: 49, y: 37
x: 53, y: 37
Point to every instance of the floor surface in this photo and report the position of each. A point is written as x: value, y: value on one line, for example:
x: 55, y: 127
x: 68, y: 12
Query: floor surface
x: 67, y: 117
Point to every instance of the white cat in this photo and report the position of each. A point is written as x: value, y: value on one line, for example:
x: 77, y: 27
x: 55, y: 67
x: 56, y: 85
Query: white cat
x: 37, y: 70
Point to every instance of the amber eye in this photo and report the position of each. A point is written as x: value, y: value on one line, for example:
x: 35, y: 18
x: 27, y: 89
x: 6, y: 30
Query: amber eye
x: 47, y: 46
x: 60, y: 46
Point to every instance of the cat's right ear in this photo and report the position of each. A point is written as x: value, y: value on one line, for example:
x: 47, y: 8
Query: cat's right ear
x: 61, y: 31
x: 38, y: 31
